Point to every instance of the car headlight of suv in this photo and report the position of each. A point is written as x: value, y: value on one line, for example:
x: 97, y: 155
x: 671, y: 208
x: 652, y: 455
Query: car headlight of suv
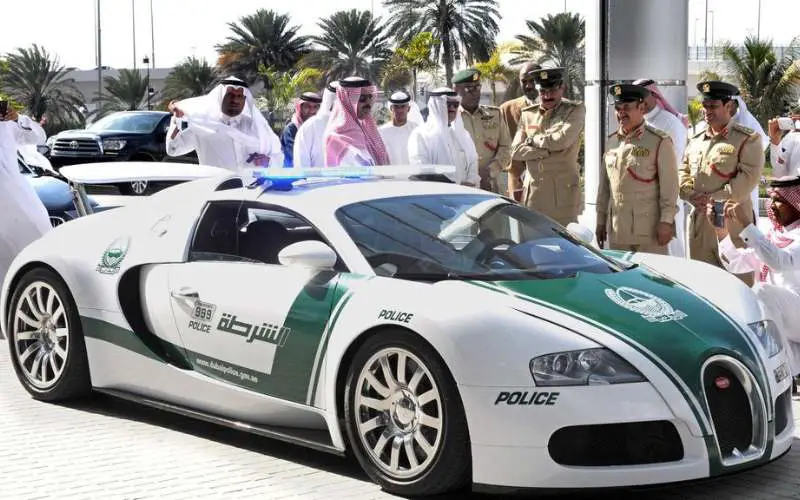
x: 113, y: 145
x: 587, y: 367
x: 768, y: 336
x: 50, y: 141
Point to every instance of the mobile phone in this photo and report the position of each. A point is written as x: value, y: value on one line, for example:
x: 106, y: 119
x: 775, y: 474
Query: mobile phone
x: 719, y: 213
x: 785, y: 123
x: 184, y: 124
x: 3, y: 108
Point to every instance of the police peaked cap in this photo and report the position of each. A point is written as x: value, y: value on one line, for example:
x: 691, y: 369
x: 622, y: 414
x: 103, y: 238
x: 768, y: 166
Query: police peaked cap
x: 469, y: 75
x: 626, y: 92
x: 547, y: 77
x: 716, y: 90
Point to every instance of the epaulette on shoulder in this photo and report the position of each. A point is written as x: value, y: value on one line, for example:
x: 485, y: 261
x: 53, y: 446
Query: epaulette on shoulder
x: 698, y: 134
x: 745, y: 130
x: 569, y: 102
x: 532, y: 107
x: 656, y: 131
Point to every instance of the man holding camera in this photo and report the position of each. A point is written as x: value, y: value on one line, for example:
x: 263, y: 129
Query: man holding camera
x: 774, y: 257
x: 784, y: 150
x: 722, y: 163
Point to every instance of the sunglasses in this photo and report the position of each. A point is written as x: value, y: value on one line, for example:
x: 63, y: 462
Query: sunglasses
x: 365, y: 98
x: 453, y: 105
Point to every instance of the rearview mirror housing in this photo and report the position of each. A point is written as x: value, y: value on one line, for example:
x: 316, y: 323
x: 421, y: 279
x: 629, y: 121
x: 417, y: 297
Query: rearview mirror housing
x: 311, y: 254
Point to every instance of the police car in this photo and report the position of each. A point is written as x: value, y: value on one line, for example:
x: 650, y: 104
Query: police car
x: 446, y: 336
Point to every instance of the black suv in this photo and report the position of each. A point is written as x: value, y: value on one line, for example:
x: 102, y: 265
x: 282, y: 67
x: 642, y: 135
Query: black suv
x: 121, y: 136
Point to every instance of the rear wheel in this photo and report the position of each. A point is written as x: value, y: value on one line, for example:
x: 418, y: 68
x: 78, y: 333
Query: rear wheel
x: 404, y: 418
x: 45, y: 338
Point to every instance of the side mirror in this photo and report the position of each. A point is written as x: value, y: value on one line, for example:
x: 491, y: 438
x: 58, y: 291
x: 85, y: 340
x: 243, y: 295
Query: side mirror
x: 36, y: 169
x: 313, y: 254
x: 581, y: 233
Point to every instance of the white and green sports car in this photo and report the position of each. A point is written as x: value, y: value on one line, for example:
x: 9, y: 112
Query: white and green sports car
x: 446, y: 336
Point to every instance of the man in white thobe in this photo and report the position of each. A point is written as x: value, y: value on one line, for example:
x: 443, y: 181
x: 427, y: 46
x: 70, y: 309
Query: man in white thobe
x: 24, y: 217
x: 443, y: 140
x: 775, y: 257
x: 784, y: 150
x: 308, y: 149
x: 225, y: 128
x: 396, y: 133
x: 351, y: 138
x: 661, y: 115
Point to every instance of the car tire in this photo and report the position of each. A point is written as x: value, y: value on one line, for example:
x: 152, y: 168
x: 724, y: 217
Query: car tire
x: 45, y: 338
x: 399, y: 414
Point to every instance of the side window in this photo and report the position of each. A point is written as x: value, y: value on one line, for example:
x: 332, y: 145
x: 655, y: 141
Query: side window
x: 217, y: 233
x: 267, y: 231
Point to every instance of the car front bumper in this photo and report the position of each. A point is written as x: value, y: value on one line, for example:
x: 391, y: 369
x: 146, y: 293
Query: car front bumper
x: 522, y: 440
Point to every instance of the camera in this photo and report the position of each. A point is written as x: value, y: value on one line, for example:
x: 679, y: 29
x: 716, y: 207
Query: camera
x: 785, y: 123
x: 719, y: 214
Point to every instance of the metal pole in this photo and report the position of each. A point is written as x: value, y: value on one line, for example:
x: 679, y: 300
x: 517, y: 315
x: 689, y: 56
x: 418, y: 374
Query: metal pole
x: 712, y: 30
x: 99, y: 55
x: 133, y: 23
x: 705, y: 36
x: 152, y: 38
x: 758, y: 30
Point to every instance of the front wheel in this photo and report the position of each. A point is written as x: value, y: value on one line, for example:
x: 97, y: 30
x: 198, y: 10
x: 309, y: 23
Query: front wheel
x: 404, y: 417
x: 45, y: 338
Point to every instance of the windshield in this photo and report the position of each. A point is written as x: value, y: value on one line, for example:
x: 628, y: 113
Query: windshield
x: 127, y: 122
x: 477, y: 236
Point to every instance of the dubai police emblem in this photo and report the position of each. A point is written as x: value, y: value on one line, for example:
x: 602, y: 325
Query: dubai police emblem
x: 653, y: 309
x: 617, y: 90
x: 113, y: 256
x: 706, y: 88
x: 543, y: 75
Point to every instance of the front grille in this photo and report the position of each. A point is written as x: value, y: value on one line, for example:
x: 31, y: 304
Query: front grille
x: 737, y: 409
x: 783, y: 411
x: 75, y: 147
x: 604, y: 445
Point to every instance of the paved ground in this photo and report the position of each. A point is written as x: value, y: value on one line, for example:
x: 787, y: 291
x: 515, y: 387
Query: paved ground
x: 111, y: 449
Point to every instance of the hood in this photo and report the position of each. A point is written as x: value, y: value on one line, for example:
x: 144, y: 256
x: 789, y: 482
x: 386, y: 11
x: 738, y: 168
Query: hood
x: 55, y: 194
x: 102, y: 134
x: 652, y: 314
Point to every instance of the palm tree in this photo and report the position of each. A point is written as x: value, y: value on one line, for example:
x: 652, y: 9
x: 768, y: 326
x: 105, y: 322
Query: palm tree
x: 264, y: 38
x: 353, y: 43
x: 494, y: 70
x: 765, y: 81
x: 557, y: 40
x: 127, y: 92
x: 40, y: 84
x: 470, y: 24
x: 192, y: 77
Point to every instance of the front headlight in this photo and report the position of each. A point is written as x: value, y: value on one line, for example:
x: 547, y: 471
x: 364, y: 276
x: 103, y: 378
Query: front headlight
x: 113, y: 145
x: 587, y: 367
x: 768, y: 336
x: 50, y: 141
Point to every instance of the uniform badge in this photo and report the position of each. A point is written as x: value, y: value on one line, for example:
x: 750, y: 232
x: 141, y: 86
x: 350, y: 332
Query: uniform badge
x: 617, y: 90
x: 706, y: 88
x: 543, y: 75
x: 476, y: 77
x: 640, y: 152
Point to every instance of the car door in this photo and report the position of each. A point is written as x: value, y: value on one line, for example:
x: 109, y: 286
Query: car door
x: 242, y: 317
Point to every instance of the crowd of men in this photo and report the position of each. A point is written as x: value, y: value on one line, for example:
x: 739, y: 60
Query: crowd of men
x: 660, y: 191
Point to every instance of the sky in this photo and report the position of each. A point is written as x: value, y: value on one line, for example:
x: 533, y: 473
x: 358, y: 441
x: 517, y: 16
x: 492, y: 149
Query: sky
x: 67, y: 28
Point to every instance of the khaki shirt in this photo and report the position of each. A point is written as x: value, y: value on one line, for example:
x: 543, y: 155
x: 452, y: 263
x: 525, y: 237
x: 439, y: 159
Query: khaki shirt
x: 549, y: 142
x: 511, y: 112
x: 638, y: 185
x: 726, y: 166
x: 492, y: 141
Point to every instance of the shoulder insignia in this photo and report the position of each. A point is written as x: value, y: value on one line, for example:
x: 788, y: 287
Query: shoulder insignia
x: 741, y: 128
x: 489, y: 106
x: 656, y: 131
x: 532, y: 107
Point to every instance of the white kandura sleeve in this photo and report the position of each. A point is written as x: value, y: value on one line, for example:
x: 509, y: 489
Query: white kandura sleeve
x: 180, y: 142
x: 302, y: 146
x: 28, y: 131
x: 275, y: 152
x: 778, y: 259
x: 417, y: 150
x: 737, y: 260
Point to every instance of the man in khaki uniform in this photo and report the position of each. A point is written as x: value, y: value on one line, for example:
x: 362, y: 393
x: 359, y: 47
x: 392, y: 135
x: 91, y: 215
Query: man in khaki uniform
x: 488, y: 130
x: 547, y: 140
x: 638, y: 180
x: 724, y: 162
x: 512, y: 110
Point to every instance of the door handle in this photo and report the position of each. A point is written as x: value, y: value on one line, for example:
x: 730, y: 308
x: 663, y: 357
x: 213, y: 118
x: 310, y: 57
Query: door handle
x: 185, y: 293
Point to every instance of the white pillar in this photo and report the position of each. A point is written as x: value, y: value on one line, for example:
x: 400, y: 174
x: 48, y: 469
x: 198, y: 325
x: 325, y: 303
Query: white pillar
x: 627, y: 40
